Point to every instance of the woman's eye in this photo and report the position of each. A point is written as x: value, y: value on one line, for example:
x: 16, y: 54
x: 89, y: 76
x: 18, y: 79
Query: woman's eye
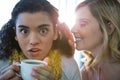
x: 43, y: 31
x: 82, y: 24
x: 24, y: 31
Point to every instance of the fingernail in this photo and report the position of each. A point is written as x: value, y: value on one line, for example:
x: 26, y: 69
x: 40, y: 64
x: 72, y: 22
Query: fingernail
x: 32, y: 74
x: 34, y: 68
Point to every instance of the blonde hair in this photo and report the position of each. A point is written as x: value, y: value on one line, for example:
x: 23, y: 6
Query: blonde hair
x: 106, y: 12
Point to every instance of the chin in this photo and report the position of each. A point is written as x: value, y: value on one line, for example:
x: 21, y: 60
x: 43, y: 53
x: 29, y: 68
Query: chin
x: 80, y: 48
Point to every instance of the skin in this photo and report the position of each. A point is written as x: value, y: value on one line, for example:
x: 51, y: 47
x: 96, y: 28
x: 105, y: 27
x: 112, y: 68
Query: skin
x: 86, y: 31
x: 9, y: 72
x: 35, y: 34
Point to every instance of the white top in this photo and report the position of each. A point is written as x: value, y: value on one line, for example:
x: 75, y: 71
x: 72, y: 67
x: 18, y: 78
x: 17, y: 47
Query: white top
x: 69, y: 67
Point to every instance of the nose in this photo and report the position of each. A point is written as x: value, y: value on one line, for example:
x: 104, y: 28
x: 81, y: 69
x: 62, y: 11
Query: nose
x: 34, y: 39
x: 74, y: 29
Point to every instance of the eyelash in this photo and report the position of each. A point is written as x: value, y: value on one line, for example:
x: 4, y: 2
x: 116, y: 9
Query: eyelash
x: 81, y: 24
x: 45, y: 31
x: 24, y: 31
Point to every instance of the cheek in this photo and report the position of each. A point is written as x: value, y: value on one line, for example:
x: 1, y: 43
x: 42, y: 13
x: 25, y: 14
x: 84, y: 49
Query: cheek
x: 47, y: 40
x: 99, y: 37
x: 48, y: 43
x: 95, y: 37
x: 47, y: 46
x: 97, y: 33
x: 22, y: 42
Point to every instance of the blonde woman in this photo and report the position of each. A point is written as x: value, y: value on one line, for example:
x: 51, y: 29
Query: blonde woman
x: 97, y: 32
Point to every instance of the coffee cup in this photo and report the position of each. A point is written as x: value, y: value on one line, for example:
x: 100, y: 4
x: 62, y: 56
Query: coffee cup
x: 26, y: 68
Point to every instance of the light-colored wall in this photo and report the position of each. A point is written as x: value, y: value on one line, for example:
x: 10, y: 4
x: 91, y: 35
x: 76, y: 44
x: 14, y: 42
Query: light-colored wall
x: 6, y: 7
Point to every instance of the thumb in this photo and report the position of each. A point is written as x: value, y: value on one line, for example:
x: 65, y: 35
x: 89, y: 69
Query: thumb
x: 46, y: 60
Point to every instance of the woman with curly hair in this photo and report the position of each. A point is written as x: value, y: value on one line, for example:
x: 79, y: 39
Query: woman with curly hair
x: 97, y: 31
x: 34, y: 32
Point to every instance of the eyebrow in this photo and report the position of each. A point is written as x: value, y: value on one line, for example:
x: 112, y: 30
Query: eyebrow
x: 22, y: 26
x: 42, y: 25
x: 84, y: 19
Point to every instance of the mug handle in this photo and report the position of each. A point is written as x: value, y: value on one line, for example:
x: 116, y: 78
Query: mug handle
x: 18, y: 64
x: 19, y: 75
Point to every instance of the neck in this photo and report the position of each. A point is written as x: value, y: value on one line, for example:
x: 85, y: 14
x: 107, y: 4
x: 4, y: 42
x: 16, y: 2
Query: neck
x: 96, y: 51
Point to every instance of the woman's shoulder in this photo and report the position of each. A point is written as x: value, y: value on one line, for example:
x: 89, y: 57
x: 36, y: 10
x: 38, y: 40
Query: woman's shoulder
x: 69, y: 61
x: 70, y: 68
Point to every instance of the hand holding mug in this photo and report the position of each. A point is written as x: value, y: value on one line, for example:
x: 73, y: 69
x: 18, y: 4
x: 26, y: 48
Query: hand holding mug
x: 10, y: 72
x: 42, y: 72
x: 29, y: 67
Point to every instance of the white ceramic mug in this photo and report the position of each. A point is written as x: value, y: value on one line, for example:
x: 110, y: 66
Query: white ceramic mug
x: 26, y: 67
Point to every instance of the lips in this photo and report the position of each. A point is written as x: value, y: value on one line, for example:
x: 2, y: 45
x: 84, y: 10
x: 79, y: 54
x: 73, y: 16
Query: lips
x: 34, y: 52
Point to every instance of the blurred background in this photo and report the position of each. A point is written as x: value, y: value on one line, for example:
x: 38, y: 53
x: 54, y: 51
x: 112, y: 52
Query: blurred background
x: 66, y: 11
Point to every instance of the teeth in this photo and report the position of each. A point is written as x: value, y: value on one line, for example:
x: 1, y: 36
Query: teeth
x: 77, y: 39
x: 34, y: 50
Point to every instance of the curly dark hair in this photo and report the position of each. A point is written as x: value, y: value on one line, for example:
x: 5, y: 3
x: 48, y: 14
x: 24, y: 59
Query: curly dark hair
x: 7, y: 33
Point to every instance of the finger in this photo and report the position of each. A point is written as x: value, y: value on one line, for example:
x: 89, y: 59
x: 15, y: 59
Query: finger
x: 7, y: 75
x: 16, y: 78
x: 10, y: 75
x: 39, y: 77
x: 15, y: 67
x: 46, y: 59
x: 9, y: 72
x: 44, y: 67
x: 47, y: 72
x: 43, y: 72
x: 8, y: 67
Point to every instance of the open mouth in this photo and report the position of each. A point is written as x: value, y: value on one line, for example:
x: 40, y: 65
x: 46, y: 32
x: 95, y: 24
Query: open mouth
x: 77, y: 40
x: 34, y: 52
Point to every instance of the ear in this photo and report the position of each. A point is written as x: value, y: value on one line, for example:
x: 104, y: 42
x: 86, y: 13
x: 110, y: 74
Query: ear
x: 111, y: 28
x: 56, y: 34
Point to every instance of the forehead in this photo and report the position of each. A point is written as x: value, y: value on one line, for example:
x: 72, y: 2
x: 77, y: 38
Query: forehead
x: 84, y: 13
x: 36, y: 18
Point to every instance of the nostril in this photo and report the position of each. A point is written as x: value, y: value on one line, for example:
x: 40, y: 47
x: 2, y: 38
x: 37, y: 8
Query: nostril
x: 34, y: 43
x: 33, y: 40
